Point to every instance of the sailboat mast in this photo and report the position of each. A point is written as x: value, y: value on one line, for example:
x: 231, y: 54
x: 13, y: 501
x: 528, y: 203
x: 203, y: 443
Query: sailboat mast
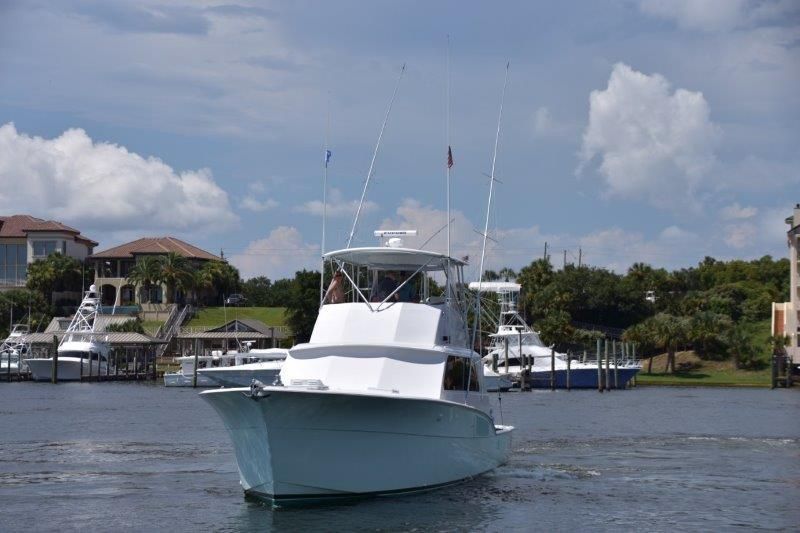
x: 488, y: 208
x: 374, y: 156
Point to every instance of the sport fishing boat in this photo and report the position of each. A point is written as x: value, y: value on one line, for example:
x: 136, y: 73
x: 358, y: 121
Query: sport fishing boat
x: 82, y: 351
x: 13, y: 349
x: 515, y: 337
x: 387, y: 397
x: 263, y: 365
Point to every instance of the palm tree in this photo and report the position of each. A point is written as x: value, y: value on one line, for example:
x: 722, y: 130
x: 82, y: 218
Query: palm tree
x: 146, y: 273
x: 641, y: 334
x: 507, y: 273
x: 706, y: 328
x: 176, y: 272
x: 670, y: 331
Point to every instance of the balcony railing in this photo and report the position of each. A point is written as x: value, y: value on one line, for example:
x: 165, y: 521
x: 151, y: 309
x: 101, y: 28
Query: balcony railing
x: 12, y: 282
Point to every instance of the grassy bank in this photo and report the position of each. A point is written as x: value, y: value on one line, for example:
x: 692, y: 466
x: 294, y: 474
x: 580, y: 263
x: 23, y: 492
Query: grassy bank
x: 693, y: 371
x: 216, y: 316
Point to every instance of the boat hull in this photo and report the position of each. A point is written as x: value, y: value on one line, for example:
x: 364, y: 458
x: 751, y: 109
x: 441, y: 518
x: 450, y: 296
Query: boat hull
x: 298, y: 446
x: 582, y: 378
x: 179, y: 379
x: 69, y: 368
x: 497, y: 383
x: 236, y: 377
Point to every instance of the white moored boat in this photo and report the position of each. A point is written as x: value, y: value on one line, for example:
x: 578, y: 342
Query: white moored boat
x: 82, y: 351
x: 184, y: 376
x: 13, y: 349
x: 515, y: 337
x: 385, y: 398
x: 263, y: 365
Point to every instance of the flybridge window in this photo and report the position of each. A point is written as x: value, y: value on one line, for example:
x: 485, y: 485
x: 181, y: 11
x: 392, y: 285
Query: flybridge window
x: 458, y: 372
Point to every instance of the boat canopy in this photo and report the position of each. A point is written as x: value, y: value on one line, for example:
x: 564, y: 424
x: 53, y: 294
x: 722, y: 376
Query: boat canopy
x: 495, y: 286
x: 388, y: 258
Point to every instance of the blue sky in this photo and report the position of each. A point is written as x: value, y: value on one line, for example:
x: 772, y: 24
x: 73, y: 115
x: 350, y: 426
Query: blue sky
x: 633, y: 130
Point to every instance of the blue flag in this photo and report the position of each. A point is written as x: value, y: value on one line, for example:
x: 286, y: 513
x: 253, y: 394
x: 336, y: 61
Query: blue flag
x: 327, y: 157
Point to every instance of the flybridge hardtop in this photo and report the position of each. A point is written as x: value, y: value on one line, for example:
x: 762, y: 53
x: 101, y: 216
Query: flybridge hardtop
x: 389, y: 258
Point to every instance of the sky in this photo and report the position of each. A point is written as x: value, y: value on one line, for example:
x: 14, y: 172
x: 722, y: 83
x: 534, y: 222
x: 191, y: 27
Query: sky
x: 632, y: 130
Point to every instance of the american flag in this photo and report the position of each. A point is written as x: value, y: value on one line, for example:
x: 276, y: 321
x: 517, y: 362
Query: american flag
x: 449, y: 157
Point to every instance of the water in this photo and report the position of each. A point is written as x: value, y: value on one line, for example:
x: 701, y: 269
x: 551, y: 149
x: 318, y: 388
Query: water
x: 127, y: 456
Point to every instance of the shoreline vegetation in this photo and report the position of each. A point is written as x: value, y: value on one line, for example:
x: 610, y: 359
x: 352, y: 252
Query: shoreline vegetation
x: 691, y: 371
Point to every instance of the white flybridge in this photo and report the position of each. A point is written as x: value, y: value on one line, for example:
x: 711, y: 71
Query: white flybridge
x: 82, y: 351
x: 386, y: 397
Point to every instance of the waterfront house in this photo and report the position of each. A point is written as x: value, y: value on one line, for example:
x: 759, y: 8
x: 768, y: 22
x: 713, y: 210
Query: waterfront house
x: 25, y: 239
x: 786, y: 315
x: 113, y: 266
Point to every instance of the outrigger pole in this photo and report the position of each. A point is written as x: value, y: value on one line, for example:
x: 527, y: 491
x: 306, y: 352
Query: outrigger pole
x: 324, y: 205
x: 488, y: 209
x: 374, y: 155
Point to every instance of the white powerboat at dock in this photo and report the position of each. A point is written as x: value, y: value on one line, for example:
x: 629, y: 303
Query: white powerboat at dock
x: 184, y: 376
x: 385, y: 398
x: 13, y: 349
x: 515, y: 337
x: 82, y: 351
x: 263, y: 365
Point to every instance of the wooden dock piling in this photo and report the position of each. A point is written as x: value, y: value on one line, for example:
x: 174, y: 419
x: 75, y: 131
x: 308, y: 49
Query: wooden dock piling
x: 54, y: 370
x: 599, y: 369
x: 569, y: 368
x: 194, y: 374
x: 552, y: 369
x: 608, y: 369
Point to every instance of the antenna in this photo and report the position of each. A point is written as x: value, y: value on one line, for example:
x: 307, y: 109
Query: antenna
x: 374, y: 155
x: 488, y: 208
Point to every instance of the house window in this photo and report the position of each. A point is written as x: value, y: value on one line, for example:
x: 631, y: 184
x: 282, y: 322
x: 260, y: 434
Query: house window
x: 44, y: 248
x: 13, y: 264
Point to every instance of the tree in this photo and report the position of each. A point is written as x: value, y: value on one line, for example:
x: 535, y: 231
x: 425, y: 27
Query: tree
x: 146, y: 273
x: 223, y: 278
x: 55, y: 273
x: 669, y: 331
x: 507, y: 274
x: 643, y: 336
x: 16, y: 303
x: 257, y: 291
x: 134, y: 325
x: 706, y: 331
x: 176, y: 273
x: 302, y: 305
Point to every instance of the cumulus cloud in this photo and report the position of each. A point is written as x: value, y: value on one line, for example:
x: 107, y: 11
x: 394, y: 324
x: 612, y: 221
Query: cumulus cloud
x: 651, y: 142
x: 252, y: 204
x: 279, y: 255
x: 99, y: 185
x: 337, y: 206
x: 737, y: 212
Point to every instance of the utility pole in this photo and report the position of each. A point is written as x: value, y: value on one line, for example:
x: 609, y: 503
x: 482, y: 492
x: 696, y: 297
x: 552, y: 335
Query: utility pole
x: 565, y: 258
x: 545, y: 251
x: 580, y: 257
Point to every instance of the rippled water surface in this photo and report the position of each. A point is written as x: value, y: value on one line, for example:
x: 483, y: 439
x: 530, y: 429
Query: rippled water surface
x: 124, y: 456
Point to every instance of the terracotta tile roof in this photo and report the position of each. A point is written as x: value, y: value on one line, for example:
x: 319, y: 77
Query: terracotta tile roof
x: 156, y: 246
x: 21, y: 225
